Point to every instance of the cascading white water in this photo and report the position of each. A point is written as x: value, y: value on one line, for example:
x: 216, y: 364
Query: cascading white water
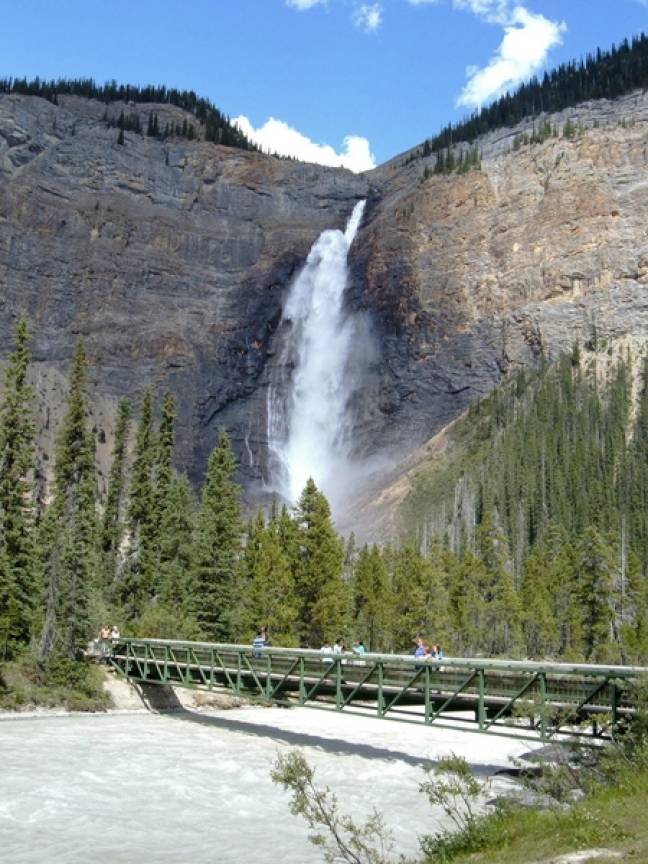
x: 309, y: 428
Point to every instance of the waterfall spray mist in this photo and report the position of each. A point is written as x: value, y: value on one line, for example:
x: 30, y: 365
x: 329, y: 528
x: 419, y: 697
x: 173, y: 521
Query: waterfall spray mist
x: 309, y: 426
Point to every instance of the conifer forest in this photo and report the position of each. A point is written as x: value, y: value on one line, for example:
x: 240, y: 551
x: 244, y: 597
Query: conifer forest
x: 531, y: 541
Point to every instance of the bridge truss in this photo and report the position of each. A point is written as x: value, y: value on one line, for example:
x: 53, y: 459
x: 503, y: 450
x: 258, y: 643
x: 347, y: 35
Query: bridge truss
x: 502, y: 697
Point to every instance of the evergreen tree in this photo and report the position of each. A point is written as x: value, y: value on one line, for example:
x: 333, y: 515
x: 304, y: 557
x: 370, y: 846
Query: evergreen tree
x: 539, y: 622
x: 596, y: 579
x: 163, y: 465
x: 372, y: 599
x: 502, y: 611
x: 71, y: 526
x: 177, y: 590
x: 468, y: 605
x: 112, y: 525
x: 412, y: 610
x: 634, y: 625
x: 17, y: 562
x: 135, y: 588
x: 322, y: 594
x: 217, y: 547
x: 270, y: 593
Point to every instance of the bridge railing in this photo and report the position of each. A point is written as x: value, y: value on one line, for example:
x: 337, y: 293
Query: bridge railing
x: 490, y: 695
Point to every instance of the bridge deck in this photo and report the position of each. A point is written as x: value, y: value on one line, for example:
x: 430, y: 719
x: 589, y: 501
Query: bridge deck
x: 496, y: 696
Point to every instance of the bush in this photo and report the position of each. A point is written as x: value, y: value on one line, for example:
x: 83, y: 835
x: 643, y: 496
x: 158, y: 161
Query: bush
x: 72, y: 684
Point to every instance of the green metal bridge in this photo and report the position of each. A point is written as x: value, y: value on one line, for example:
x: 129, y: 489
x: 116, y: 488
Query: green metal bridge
x: 502, y: 697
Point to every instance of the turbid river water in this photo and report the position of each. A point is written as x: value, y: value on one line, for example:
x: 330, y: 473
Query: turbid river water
x: 195, y: 788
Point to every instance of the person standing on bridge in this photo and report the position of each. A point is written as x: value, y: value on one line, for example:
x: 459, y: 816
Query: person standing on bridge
x: 259, y: 642
x: 421, y: 650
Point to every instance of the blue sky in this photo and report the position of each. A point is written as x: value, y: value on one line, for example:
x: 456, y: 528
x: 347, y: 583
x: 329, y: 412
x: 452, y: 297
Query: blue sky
x: 388, y: 73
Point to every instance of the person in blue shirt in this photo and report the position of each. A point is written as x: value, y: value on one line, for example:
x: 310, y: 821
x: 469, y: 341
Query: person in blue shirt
x: 420, y: 650
x: 259, y: 642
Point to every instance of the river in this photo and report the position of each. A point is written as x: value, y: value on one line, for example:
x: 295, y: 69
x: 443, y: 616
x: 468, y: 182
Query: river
x: 195, y: 788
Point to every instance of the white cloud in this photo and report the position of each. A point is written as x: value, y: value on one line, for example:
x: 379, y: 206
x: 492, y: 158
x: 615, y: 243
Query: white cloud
x: 368, y: 17
x: 275, y: 136
x: 528, y: 37
x: 305, y: 4
x: 422, y: 2
x: 493, y: 11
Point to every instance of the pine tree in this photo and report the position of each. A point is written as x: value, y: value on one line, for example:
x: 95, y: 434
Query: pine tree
x: 468, y: 606
x: 412, y: 610
x: 112, y: 525
x: 163, y: 465
x: 217, y: 547
x: 372, y: 599
x: 17, y: 562
x: 503, y: 611
x: 269, y: 596
x: 71, y: 526
x: 596, y: 568
x: 322, y: 595
x: 539, y: 623
x: 135, y: 588
x: 176, y: 531
x: 634, y: 626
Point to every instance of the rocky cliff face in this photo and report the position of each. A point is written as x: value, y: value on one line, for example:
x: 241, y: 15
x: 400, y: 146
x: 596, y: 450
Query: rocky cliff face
x: 472, y: 276
x: 172, y: 260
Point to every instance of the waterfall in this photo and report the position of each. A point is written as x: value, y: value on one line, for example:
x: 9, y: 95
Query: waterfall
x: 309, y: 424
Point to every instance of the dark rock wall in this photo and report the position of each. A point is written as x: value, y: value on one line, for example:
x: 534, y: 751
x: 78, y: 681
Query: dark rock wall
x: 172, y: 260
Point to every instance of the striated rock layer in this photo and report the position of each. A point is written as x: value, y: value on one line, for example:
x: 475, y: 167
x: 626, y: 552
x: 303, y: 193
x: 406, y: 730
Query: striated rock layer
x: 172, y: 260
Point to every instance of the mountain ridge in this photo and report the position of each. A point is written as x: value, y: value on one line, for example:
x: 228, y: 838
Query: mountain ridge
x: 173, y: 257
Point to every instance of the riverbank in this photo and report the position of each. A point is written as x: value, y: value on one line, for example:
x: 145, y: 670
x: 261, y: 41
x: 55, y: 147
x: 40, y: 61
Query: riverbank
x: 607, y: 827
x: 102, y: 692
x: 66, y: 685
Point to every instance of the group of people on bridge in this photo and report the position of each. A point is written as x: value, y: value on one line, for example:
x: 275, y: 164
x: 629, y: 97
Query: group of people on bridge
x: 101, y: 644
x: 339, y: 647
x: 432, y: 652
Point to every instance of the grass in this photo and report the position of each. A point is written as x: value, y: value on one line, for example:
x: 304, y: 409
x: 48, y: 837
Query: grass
x: 610, y: 818
x: 76, y: 686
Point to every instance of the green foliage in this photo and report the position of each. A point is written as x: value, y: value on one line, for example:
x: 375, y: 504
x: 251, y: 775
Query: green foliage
x: 546, y: 481
x: 602, y: 75
x: 136, y: 585
x: 76, y: 685
x: 17, y: 554
x: 269, y: 593
x: 455, y: 790
x: 337, y: 835
x: 215, y: 126
x: 372, y: 598
x: 70, y: 534
x: 322, y: 595
x: 542, y: 551
x: 569, y: 129
x: 112, y: 523
x: 176, y: 532
x: 218, y: 546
